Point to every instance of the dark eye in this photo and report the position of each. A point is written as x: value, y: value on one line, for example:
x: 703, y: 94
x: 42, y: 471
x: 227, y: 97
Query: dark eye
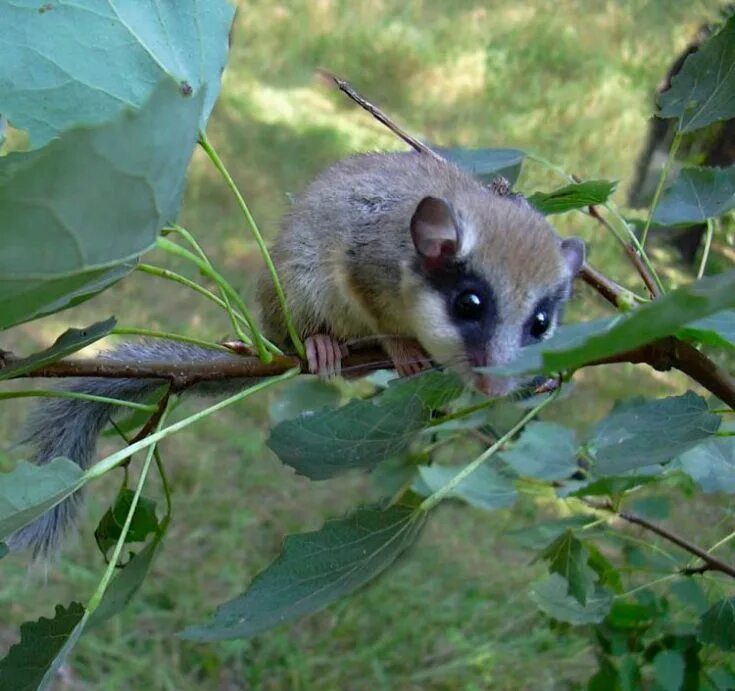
x: 469, y: 306
x: 539, y: 324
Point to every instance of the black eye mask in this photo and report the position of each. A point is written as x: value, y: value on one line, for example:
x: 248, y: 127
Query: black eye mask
x: 470, y: 304
x: 544, y: 315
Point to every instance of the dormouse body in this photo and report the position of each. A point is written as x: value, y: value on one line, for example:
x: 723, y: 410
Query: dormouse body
x: 407, y: 248
x: 399, y: 247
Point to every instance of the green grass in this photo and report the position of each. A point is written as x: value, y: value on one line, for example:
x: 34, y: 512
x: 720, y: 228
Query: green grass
x: 569, y: 80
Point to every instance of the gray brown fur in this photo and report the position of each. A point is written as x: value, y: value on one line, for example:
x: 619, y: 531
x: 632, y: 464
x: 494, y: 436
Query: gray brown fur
x: 344, y: 253
x: 69, y: 428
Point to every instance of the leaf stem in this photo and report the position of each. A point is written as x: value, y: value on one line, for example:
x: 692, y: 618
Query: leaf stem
x: 707, y: 245
x: 264, y: 348
x: 431, y: 501
x: 178, y: 278
x: 464, y: 412
x: 220, y: 166
x: 660, y: 186
x: 97, y: 596
x: 189, y: 237
x: 165, y: 484
x: 612, y: 208
x: 78, y: 396
x: 113, y: 460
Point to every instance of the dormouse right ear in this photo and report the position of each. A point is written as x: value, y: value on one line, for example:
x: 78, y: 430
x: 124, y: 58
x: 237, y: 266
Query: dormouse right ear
x: 434, y: 232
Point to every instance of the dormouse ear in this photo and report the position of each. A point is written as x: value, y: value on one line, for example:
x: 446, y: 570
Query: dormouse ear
x: 434, y: 231
x: 573, y: 251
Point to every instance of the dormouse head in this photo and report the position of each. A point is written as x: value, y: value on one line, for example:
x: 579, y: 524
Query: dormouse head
x: 489, y: 276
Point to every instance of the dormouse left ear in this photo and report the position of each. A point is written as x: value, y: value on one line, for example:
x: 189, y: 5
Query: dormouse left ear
x: 434, y: 231
x: 573, y: 251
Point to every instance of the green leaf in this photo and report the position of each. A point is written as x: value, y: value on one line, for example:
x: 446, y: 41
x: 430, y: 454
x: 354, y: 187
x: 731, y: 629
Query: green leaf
x: 655, y: 507
x: 612, y: 485
x: 578, y: 195
x: 711, y: 464
x: 143, y: 523
x: 4, y: 551
x: 717, y: 625
x: 690, y: 593
x: 30, y: 490
x: 715, y: 330
x: 122, y: 182
x: 724, y: 679
x: 362, y: 433
x: 630, y: 615
x: 89, y: 62
x: 34, y: 298
x: 697, y: 194
x: 567, y: 557
x: 486, y: 163
x: 608, y: 575
x: 648, y: 432
x: 575, y: 345
x: 301, y: 395
x: 544, y: 450
x: 551, y: 597
x: 539, y: 535
x: 703, y: 91
x: 69, y: 342
x: 313, y: 570
x: 32, y: 664
x: 125, y: 585
x: 485, y: 488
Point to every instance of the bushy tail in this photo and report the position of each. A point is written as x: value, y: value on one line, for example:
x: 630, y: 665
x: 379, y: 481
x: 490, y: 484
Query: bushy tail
x: 69, y: 428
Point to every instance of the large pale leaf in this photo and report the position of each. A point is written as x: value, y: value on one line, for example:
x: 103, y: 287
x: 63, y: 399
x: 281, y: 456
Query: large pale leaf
x: 552, y: 597
x: 68, y: 63
x: 544, y: 450
x: 697, y: 194
x: 577, y: 195
x: 717, y: 625
x: 643, y: 433
x: 485, y: 488
x: 575, y: 345
x: 486, y: 163
x: 69, y: 342
x: 121, y: 183
x: 314, y: 570
x: 716, y: 330
x: 302, y: 395
x: 703, y: 91
x: 362, y: 433
x: 32, y: 663
x: 29, y: 299
x: 669, y: 666
x: 711, y: 464
x: 29, y: 491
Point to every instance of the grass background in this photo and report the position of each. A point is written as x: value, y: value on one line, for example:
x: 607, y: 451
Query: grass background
x: 569, y: 80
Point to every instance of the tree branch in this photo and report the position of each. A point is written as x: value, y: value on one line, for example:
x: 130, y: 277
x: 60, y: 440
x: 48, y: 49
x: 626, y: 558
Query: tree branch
x: 711, y: 562
x: 379, y: 115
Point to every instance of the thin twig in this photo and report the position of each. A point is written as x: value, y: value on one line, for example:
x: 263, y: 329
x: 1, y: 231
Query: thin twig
x: 607, y: 288
x: 631, y: 252
x: 642, y: 269
x: 712, y: 562
x: 346, y: 88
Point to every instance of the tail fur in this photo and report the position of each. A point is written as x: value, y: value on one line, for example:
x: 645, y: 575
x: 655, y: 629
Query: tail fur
x: 69, y: 428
